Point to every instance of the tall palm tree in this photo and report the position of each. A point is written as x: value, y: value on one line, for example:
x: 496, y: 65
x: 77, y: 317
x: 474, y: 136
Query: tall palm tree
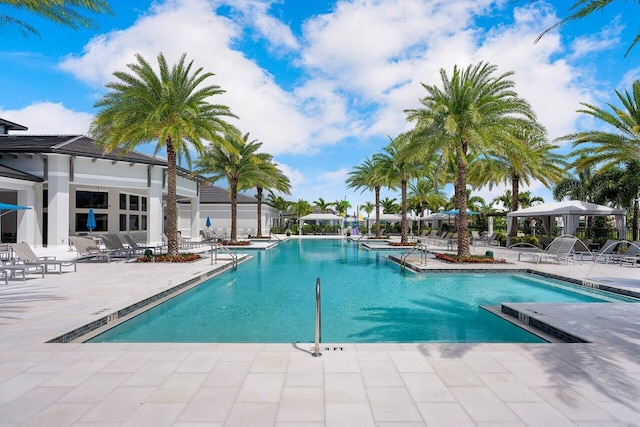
x: 532, y: 157
x: 471, y: 114
x: 423, y: 194
x: 170, y: 108
x: 390, y: 205
x: 341, y: 206
x: 584, y: 8
x: 398, y: 169
x: 237, y: 162
x: 269, y: 177
x: 368, y: 176
x: 64, y: 12
x: 279, y: 203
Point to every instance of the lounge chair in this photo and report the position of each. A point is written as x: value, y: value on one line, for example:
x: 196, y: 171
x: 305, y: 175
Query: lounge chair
x: 630, y: 256
x: 138, y: 249
x: 115, y: 247
x: 87, y: 248
x: 560, y: 249
x: 10, y: 270
x: 477, y: 239
x: 25, y: 255
x: 209, y: 236
x: 182, y: 242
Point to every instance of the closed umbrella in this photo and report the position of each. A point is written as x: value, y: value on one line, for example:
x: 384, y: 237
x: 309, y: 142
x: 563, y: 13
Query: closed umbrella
x: 91, y: 220
x: 208, y: 223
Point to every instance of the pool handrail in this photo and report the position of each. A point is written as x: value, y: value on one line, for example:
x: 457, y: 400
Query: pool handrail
x: 316, y: 349
x: 215, y: 246
x: 422, y: 247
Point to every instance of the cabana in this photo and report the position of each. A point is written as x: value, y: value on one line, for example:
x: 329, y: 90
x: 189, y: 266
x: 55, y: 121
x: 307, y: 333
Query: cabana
x: 570, y: 212
x: 320, y: 217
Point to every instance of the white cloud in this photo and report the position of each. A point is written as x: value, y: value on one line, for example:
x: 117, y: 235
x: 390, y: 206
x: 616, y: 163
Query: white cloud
x: 49, y: 118
x: 607, y: 38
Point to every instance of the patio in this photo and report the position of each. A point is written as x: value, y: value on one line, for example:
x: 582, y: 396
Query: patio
x: 281, y: 384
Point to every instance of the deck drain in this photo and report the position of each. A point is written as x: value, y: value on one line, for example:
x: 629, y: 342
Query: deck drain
x: 329, y: 349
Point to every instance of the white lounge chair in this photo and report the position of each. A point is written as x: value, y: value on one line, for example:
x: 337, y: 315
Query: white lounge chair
x: 87, y: 248
x: 560, y: 249
x: 25, y: 255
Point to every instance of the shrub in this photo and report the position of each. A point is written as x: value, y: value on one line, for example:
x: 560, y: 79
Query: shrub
x: 170, y: 258
x: 472, y: 259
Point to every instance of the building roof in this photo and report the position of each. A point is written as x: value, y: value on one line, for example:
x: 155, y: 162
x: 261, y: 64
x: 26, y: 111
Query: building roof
x: 7, y: 125
x: 78, y: 145
x: 217, y: 195
x: 7, y: 172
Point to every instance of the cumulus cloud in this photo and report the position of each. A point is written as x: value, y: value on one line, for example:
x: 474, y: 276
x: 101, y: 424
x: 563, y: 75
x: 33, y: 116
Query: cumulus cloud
x: 44, y: 118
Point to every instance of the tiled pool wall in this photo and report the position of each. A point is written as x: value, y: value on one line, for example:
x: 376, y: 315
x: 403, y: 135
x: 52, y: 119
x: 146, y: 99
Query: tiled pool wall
x: 112, y: 317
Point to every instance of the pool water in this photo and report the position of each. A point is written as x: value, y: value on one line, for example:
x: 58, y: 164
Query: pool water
x: 365, y: 298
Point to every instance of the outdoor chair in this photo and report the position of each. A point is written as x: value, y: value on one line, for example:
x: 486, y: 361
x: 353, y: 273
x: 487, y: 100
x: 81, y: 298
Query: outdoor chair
x: 137, y: 248
x: 209, y: 236
x: 560, y: 249
x: 630, y: 256
x: 11, y: 270
x: 182, y: 242
x: 25, y: 255
x: 87, y: 248
x: 115, y: 247
x: 477, y: 239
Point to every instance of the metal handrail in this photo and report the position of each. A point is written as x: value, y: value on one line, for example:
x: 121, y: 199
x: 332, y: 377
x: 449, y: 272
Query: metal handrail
x: 316, y: 350
x: 423, y: 255
x: 214, y: 250
x: 275, y: 237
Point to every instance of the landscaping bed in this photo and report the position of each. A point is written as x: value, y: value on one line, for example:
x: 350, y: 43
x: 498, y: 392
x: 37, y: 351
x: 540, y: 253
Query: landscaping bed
x: 472, y: 259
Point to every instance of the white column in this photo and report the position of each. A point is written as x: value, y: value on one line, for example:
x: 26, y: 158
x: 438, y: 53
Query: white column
x: 490, y: 220
x: 155, y: 218
x: 195, y: 218
x: 27, y: 219
x: 58, y: 206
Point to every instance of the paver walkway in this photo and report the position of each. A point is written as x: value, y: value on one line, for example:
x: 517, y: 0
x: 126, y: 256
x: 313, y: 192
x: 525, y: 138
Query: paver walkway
x: 596, y: 384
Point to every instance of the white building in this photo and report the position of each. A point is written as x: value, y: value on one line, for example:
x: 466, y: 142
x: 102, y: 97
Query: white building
x: 63, y: 176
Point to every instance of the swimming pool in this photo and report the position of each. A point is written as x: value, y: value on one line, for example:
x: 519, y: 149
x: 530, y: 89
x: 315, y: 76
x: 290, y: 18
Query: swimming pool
x: 365, y: 298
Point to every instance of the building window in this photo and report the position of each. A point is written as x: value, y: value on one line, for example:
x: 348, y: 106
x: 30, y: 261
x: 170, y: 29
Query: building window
x: 92, y: 199
x: 123, y: 222
x: 143, y: 223
x: 144, y: 204
x: 123, y: 202
x: 102, y: 222
x: 133, y: 203
x: 133, y: 223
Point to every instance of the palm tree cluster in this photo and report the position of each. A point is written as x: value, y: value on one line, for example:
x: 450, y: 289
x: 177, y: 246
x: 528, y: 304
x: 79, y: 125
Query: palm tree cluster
x: 172, y: 108
x: 472, y: 129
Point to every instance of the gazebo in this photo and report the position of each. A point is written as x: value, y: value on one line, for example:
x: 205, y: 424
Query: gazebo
x: 570, y: 212
x: 320, y: 217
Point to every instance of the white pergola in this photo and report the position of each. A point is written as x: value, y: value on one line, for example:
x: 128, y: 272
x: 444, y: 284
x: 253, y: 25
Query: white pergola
x: 570, y: 212
x: 320, y: 217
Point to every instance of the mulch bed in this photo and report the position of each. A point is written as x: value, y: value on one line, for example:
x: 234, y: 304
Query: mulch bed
x: 170, y: 258
x: 472, y: 259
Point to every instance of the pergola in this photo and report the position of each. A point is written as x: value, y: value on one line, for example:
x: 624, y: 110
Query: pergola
x: 320, y: 217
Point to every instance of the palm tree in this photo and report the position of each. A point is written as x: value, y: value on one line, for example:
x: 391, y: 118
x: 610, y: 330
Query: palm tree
x: 423, y: 195
x: 63, y: 12
x: 322, y: 205
x: 584, y: 8
x: 472, y: 114
x: 398, y: 169
x: 532, y: 157
x: 170, y: 108
x: 279, y: 203
x: 268, y: 177
x: 341, y: 206
x: 367, y: 176
x: 238, y: 163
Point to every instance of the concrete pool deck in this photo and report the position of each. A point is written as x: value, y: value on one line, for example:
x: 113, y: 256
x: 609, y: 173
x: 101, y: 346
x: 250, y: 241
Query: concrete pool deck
x: 115, y: 384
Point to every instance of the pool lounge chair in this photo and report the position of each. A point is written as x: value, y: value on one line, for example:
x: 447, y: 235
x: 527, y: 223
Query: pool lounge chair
x: 560, y: 249
x: 25, y: 255
x: 87, y: 248
x: 137, y: 248
x: 11, y: 270
x: 630, y: 256
x: 182, y: 242
x: 608, y: 250
x: 115, y: 247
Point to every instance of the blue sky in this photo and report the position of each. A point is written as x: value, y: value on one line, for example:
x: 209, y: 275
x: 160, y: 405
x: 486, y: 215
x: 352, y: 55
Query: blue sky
x: 323, y: 84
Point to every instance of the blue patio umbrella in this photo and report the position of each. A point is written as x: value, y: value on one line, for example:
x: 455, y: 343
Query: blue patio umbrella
x: 91, y: 220
x: 456, y: 212
x: 208, y: 223
x: 9, y: 207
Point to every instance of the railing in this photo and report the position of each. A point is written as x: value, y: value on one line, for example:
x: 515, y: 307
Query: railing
x: 316, y: 349
x: 422, y: 247
x: 275, y: 237
x: 214, y: 254
x: 365, y: 236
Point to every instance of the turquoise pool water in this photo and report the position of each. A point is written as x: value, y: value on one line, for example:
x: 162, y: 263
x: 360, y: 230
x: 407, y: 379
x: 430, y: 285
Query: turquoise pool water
x: 365, y: 298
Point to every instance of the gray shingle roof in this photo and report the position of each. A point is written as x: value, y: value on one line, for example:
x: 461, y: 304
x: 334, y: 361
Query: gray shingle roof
x: 216, y: 195
x: 11, y: 125
x: 7, y: 172
x: 77, y: 145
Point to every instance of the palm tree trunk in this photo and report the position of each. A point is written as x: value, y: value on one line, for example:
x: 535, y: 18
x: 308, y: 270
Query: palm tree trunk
x: 259, y: 197
x: 377, y: 191
x: 515, y: 190
x: 233, y: 185
x: 172, y: 216
x: 404, y: 236
x: 461, y: 203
